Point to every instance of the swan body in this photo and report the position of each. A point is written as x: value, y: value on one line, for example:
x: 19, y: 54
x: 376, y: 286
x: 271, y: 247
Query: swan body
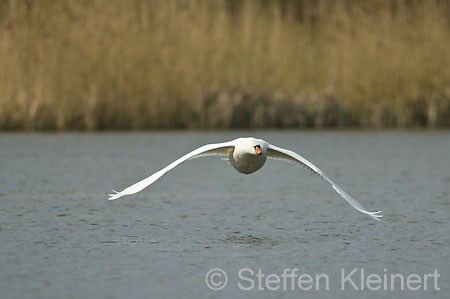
x: 244, y: 158
x: 246, y: 155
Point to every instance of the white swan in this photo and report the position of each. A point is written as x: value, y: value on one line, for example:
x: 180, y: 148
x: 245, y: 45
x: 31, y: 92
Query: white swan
x: 246, y: 155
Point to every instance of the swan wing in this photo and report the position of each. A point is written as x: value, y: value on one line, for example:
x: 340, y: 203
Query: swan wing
x: 206, y: 150
x: 278, y: 153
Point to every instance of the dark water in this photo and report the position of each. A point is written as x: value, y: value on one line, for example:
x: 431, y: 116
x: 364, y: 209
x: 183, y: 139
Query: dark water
x: 61, y: 238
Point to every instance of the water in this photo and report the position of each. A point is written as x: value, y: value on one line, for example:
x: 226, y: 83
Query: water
x: 61, y: 238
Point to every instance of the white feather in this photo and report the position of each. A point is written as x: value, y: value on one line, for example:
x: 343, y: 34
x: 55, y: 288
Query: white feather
x: 279, y: 153
x: 209, y: 149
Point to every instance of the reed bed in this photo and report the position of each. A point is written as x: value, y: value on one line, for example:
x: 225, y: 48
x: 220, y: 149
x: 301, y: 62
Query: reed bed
x: 94, y: 65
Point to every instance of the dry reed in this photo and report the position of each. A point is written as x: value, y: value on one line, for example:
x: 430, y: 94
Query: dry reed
x: 135, y: 64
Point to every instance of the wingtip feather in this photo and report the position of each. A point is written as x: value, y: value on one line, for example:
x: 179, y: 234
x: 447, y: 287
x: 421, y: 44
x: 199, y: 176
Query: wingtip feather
x: 376, y: 215
x: 115, y: 195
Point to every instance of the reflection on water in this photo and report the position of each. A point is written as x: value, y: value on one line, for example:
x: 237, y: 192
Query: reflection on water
x: 250, y: 240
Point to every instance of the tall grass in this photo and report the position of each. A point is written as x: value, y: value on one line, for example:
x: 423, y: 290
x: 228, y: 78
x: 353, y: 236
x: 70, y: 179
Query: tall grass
x: 116, y: 64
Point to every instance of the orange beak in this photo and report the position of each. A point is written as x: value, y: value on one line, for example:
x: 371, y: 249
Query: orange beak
x: 258, y: 150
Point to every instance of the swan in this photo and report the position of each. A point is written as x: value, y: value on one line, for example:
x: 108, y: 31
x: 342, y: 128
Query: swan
x: 246, y: 155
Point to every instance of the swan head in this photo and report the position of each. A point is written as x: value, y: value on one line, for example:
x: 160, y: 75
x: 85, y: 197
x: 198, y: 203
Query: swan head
x: 251, y: 146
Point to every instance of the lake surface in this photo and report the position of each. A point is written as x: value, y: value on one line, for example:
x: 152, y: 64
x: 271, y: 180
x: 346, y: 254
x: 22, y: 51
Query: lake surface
x: 61, y: 238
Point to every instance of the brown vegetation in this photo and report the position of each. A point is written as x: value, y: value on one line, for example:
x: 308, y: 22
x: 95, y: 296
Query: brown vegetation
x: 135, y: 64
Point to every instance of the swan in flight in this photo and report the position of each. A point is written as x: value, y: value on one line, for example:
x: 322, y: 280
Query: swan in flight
x: 246, y: 155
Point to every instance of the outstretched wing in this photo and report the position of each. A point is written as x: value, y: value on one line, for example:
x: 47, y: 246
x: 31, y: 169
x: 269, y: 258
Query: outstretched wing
x: 278, y: 153
x: 206, y: 150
